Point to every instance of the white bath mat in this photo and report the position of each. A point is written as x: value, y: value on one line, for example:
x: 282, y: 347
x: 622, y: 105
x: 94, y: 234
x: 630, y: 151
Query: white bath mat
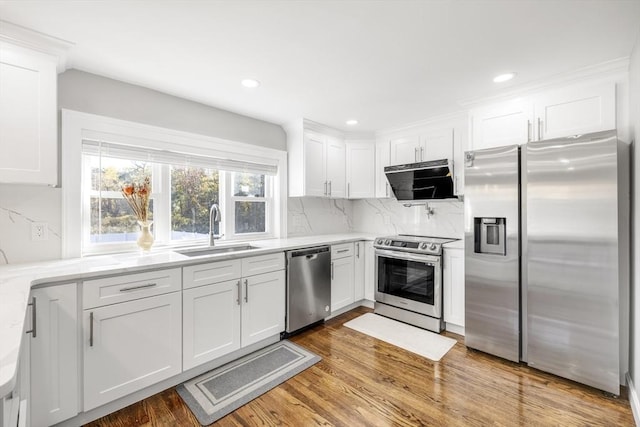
x: 416, y: 340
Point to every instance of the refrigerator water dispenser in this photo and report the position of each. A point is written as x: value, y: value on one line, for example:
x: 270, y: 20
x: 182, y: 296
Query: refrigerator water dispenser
x: 490, y: 235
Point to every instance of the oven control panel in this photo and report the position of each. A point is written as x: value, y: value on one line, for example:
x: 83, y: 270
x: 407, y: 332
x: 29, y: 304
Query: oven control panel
x: 418, y: 244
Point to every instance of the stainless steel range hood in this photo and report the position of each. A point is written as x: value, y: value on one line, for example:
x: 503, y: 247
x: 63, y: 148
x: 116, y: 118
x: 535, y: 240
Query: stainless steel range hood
x: 422, y: 181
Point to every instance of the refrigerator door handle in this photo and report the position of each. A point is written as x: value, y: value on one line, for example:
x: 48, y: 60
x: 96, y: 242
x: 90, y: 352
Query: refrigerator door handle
x: 528, y: 130
x: 539, y: 129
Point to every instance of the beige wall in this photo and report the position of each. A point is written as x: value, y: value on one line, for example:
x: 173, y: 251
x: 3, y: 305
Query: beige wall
x: 90, y: 93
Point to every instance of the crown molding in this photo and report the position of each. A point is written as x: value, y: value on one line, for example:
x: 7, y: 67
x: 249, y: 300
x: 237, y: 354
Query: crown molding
x: 602, y: 70
x: 439, y: 120
x: 35, y: 40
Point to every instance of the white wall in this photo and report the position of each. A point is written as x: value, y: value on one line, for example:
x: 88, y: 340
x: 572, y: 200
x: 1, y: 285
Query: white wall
x: 22, y: 205
x: 94, y: 94
x: 634, y: 131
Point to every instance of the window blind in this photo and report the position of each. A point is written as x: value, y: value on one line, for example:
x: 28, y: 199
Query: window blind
x: 119, y: 151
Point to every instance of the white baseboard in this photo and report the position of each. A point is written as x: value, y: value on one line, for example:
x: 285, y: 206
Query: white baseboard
x: 454, y: 328
x: 633, y: 400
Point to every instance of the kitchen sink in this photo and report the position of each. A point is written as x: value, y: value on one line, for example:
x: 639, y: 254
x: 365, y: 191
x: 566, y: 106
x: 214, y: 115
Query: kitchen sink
x: 212, y: 250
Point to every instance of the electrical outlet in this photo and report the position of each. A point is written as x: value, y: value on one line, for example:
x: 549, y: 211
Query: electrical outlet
x: 39, y: 231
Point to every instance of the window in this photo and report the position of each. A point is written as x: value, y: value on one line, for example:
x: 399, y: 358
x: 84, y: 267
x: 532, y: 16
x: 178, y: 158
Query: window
x: 183, y: 191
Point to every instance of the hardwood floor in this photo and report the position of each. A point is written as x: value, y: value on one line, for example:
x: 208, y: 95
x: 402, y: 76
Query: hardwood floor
x: 364, y: 381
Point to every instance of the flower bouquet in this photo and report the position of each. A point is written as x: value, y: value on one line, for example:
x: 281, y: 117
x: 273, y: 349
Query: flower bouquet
x: 137, y: 195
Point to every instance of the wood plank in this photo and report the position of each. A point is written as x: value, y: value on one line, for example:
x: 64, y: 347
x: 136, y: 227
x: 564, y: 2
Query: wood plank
x: 362, y: 381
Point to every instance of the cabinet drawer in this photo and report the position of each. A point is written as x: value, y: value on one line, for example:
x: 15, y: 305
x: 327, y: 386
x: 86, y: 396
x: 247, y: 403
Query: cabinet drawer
x: 341, y: 250
x: 111, y: 290
x: 213, y: 272
x: 262, y: 264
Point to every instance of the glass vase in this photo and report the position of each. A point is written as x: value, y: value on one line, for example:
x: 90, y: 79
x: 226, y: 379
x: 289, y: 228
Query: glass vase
x: 145, y: 240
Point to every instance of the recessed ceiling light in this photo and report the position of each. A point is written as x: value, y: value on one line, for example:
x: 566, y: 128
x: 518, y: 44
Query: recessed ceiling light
x: 250, y: 83
x: 503, y: 77
x: 351, y: 122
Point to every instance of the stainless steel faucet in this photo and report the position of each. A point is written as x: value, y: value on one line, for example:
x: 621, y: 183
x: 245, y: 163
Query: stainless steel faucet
x: 214, y: 216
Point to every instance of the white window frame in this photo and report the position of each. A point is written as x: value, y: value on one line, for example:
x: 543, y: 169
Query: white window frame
x: 78, y: 126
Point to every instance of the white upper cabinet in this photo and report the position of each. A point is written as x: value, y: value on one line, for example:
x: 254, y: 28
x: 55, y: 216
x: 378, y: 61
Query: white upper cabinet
x: 29, y: 63
x: 383, y: 158
x: 405, y: 149
x: 28, y: 122
x: 361, y: 163
x: 563, y: 112
x: 575, y: 110
x: 436, y: 145
x: 317, y: 161
x: 502, y: 124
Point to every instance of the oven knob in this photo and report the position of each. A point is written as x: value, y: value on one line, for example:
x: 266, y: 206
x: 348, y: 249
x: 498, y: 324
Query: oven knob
x: 432, y: 246
x: 423, y: 246
x: 387, y: 242
x: 379, y: 241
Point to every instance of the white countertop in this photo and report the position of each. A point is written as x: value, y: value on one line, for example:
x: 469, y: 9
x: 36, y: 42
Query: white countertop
x: 16, y: 280
x: 456, y: 244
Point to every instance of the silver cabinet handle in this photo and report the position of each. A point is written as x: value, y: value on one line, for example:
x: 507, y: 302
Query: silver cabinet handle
x: 32, y: 331
x: 415, y: 154
x: 386, y: 189
x: 357, y: 249
x: 325, y: 188
x: 238, y: 299
x: 342, y: 250
x: 528, y: 130
x: 331, y: 271
x: 134, y: 288
x: 539, y: 129
x: 246, y: 290
x: 91, y: 329
x: 348, y: 189
x: 421, y: 154
x: 329, y: 188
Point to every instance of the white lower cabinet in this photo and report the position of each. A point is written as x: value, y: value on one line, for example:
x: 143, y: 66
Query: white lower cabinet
x: 370, y: 271
x: 129, y: 346
x: 223, y: 316
x: 453, y: 286
x: 211, y: 322
x: 342, y: 276
x: 52, y: 317
x: 263, y: 306
x: 359, y: 271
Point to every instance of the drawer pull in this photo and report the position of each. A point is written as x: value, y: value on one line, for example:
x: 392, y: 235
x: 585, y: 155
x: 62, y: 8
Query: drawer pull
x: 246, y: 290
x: 342, y: 250
x: 238, y: 299
x: 135, y: 288
x: 32, y: 331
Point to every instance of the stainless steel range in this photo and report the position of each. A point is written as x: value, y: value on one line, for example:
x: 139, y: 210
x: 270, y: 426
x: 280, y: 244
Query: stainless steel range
x: 408, y: 279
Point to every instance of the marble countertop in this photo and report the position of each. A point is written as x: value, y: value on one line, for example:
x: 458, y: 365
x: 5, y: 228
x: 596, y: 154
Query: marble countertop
x: 16, y: 281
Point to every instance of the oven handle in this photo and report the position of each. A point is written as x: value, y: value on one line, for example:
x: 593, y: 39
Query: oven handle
x: 408, y: 256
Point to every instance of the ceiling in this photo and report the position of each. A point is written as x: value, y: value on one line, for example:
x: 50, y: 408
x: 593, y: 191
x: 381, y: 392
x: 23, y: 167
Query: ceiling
x: 384, y: 63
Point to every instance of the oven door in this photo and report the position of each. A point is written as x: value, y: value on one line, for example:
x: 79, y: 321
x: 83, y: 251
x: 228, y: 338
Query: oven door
x: 410, y: 281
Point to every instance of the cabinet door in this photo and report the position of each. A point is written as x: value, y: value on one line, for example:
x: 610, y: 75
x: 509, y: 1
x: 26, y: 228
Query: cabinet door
x: 437, y: 145
x: 54, y: 355
x: 575, y: 110
x: 361, y: 162
x: 336, y: 168
x: 315, y: 164
x: 28, y: 117
x: 405, y: 150
x: 369, y: 271
x: 211, y: 322
x: 358, y: 271
x: 342, y: 284
x: 453, y: 286
x: 130, y: 346
x: 383, y: 158
x: 502, y: 124
x: 263, y: 306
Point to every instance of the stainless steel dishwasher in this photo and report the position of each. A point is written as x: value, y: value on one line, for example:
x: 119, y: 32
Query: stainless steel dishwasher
x: 308, y: 287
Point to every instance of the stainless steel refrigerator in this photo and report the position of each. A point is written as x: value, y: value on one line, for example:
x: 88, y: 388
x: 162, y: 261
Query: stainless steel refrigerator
x: 546, y: 255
